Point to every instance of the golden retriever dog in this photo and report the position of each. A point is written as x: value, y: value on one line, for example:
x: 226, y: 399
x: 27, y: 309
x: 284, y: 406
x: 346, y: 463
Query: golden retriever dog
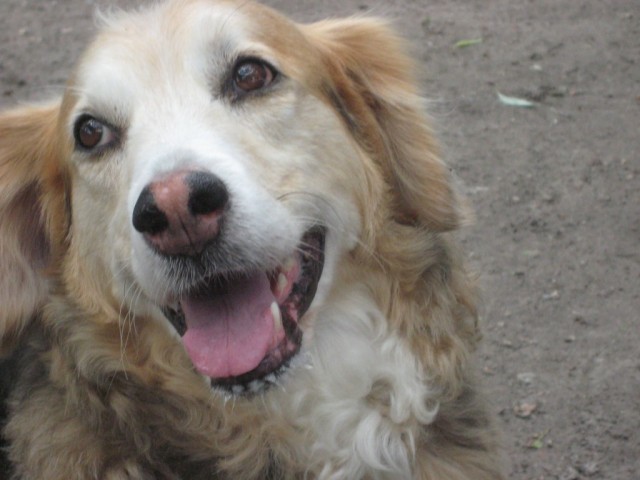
x: 226, y: 253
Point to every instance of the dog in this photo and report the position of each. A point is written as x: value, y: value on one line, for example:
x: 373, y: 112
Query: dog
x: 227, y: 252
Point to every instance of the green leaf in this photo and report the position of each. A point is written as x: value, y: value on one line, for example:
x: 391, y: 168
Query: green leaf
x: 515, y: 101
x: 537, y: 444
x: 467, y: 42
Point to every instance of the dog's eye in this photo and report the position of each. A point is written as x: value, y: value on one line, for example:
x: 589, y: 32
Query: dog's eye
x: 91, y: 133
x: 252, y: 74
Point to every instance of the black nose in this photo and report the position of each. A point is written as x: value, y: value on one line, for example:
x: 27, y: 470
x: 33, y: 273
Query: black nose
x: 181, y: 212
x: 207, y: 193
x: 147, y: 217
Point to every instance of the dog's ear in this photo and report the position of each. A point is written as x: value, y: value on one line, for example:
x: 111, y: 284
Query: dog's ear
x: 29, y: 172
x: 372, y: 86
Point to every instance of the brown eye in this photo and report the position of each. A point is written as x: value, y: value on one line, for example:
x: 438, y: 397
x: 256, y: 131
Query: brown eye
x: 91, y: 133
x: 250, y: 75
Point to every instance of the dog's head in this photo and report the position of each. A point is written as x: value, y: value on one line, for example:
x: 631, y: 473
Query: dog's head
x: 218, y: 166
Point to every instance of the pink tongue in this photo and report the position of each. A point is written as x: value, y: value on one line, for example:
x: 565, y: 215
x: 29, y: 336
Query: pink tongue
x: 230, y: 333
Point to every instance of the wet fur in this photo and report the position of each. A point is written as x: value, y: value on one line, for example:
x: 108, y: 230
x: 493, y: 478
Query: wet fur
x: 104, y: 390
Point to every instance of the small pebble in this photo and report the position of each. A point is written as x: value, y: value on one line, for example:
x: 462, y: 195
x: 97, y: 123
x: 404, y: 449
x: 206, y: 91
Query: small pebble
x: 526, y: 377
x: 588, y: 469
x: 570, y: 474
x: 525, y: 409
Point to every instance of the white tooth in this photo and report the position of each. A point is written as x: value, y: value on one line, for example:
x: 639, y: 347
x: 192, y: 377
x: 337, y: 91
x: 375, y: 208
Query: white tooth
x: 282, y: 282
x: 277, y: 316
x: 289, y: 264
x: 271, y: 378
x: 237, y: 389
x: 255, y: 386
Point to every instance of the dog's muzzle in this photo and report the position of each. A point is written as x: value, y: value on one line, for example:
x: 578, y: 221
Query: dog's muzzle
x: 240, y: 326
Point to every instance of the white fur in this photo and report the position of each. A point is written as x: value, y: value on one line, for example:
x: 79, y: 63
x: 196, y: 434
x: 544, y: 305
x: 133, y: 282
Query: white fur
x: 174, y: 120
x: 326, y: 397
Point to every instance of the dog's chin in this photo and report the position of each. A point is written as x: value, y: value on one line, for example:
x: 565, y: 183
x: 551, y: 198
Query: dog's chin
x: 242, y: 329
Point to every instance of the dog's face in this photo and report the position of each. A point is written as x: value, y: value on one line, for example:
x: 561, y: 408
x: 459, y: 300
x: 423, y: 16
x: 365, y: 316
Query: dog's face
x: 220, y: 189
x: 224, y: 165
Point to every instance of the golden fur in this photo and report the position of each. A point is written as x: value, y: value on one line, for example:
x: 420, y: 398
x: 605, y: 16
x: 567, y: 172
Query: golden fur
x: 105, y: 389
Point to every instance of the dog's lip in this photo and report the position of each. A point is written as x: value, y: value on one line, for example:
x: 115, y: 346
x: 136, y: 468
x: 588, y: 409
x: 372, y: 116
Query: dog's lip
x: 292, y: 288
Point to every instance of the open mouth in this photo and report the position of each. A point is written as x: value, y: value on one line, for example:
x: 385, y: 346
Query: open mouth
x: 241, y: 329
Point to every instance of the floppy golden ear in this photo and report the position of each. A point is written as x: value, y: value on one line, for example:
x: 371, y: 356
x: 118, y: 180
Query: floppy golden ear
x: 373, y: 88
x: 28, y: 167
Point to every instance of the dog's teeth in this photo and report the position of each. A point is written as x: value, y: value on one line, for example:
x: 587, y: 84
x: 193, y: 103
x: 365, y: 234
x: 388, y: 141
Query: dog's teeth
x: 277, y: 317
x: 282, y: 283
x: 255, y: 386
x: 238, y: 389
x: 271, y: 378
x: 289, y: 264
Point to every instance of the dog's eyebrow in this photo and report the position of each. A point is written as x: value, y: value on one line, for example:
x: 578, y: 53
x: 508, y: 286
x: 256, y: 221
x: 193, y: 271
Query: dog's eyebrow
x: 234, y: 11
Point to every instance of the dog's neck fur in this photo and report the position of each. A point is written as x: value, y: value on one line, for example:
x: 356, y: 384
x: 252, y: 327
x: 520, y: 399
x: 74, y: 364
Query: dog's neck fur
x: 354, y: 405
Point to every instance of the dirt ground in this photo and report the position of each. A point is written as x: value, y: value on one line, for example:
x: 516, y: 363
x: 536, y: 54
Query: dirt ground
x: 556, y: 190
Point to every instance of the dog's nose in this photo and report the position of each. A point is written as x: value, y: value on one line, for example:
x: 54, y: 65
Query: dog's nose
x: 207, y: 193
x: 180, y: 213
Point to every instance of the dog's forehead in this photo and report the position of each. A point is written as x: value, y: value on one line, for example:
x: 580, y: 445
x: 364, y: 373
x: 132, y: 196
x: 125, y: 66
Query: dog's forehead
x: 148, y: 47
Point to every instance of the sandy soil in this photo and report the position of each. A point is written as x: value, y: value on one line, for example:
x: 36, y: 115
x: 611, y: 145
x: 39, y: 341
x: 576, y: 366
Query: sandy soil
x: 555, y: 188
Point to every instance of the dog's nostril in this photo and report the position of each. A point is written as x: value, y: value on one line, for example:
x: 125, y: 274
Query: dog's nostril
x: 207, y: 193
x: 147, y: 217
